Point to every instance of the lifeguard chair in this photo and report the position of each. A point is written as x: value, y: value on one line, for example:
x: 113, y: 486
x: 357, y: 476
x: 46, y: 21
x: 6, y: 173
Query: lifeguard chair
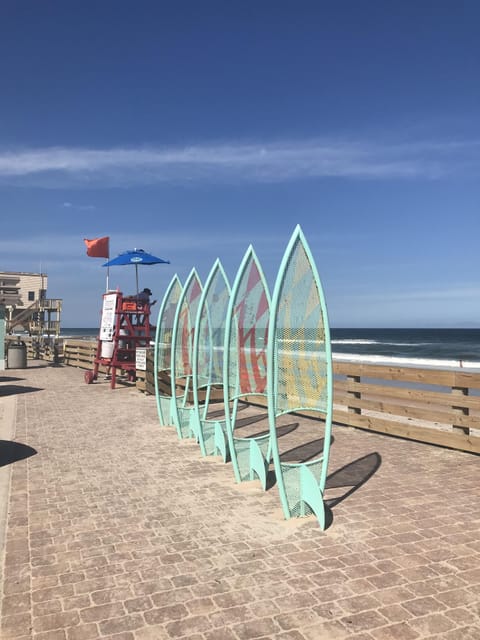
x: 125, y: 327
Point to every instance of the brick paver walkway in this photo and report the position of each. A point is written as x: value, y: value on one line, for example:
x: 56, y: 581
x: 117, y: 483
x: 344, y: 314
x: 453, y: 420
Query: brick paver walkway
x: 118, y: 530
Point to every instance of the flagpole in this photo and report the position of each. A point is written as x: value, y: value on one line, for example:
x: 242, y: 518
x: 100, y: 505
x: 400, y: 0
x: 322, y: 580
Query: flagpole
x: 108, y: 268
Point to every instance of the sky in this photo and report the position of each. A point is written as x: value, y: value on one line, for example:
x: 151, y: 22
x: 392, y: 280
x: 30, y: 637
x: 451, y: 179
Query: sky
x: 194, y: 129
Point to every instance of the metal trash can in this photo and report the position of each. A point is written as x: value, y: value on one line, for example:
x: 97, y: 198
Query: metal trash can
x: 17, y: 355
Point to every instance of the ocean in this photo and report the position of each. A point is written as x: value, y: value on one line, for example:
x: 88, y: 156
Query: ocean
x: 410, y: 347
x: 403, y: 347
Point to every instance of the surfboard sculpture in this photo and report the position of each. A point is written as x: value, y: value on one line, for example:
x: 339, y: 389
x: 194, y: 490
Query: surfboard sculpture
x: 300, y: 374
x: 245, y: 365
x: 182, y: 355
x: 163, y: 350
x: 208, y: 359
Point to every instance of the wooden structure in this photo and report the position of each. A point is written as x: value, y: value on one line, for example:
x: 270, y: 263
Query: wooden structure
x: 27, y: 308
x: 125, y: 329
x: 436, y: 406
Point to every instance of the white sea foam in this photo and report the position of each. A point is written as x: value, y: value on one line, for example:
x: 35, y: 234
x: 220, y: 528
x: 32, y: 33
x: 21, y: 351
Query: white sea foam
x: 382, y: 342
x: 353, y: 341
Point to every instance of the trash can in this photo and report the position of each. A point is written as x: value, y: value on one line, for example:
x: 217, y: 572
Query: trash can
x: 17, y: 355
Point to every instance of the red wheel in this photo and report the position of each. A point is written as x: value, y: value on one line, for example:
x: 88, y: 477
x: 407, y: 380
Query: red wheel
x: 89, y: 377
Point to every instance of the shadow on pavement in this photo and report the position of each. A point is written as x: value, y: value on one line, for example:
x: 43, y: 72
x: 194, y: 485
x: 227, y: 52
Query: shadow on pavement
x: 12, y: 389
x: 14, y: 451
x: 304, y: 452
x: 353, y: 475
x: 281, y: 431
x: 244, y: 422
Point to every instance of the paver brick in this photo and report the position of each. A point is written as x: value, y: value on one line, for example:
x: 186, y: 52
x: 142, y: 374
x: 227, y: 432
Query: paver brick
x: 431, y: 624
x: 59, y: 634
x: 102, y: 612
x: 16, y: 625
x: 107, y: 534
x: 164, y: 614
x: 399, y: 631
x: 188, y: 626
x: 14, y: 604
x: 44, y: 608
x: 87, y: 631
x: 119, y: 625
x: 256, y: 628
x: 53, y: 621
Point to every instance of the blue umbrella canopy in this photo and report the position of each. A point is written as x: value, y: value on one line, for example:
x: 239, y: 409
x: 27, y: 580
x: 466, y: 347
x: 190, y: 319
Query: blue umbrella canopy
x: 135, y: 257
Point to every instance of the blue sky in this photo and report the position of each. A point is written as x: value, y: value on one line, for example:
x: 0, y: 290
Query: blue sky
x: 192, y: 129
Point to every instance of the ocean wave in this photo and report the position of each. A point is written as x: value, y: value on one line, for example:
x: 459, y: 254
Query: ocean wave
x: 409, y: 362
x: 354, y: 341
x: 385, y: 343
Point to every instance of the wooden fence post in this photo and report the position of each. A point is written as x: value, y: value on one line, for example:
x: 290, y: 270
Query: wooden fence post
x: 354, y: 395
x: 460, y: 392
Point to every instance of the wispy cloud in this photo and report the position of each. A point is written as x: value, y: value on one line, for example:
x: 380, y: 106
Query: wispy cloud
x: 79, y: 207
x: 272, y: 162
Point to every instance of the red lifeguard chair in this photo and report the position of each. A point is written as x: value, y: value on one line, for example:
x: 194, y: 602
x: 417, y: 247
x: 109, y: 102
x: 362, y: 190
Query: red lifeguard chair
x: 125, y: 327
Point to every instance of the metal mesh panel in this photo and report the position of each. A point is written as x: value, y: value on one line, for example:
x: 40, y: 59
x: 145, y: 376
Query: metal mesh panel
x: 300, y: 350
x: 165, y: 332
x: 186, y: 327
x: 184, y: 417
x: 248, y: 340
x: 208, y: 430
x: 165, y: 402
x: 292, y: 482
x: 242, y: 450
x: 211, y: 331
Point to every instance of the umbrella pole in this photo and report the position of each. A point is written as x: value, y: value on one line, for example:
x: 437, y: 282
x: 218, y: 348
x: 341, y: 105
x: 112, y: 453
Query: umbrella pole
x: 136, y: 276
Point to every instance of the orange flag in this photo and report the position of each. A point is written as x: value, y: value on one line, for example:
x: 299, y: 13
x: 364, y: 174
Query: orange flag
x: 98, y: 247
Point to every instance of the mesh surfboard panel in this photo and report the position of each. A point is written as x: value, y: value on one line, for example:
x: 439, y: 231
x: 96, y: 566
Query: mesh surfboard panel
x: 242, y: 449
x: 292, y: 481
x: 300, y: 347
x: 186, y: 327
x: 184, y: 417
x: 165, y: 402
x: 165, y: 333
x: 211, y: 331
x: 248, y: 342
x: 208, y: 430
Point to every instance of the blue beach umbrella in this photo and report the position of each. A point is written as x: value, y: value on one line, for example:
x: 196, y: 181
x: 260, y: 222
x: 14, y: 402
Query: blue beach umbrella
x: 135, y: 257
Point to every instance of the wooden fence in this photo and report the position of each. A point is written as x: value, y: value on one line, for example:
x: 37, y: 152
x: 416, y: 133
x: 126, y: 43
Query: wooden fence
x: 49, y: 350
x: 436, y: 406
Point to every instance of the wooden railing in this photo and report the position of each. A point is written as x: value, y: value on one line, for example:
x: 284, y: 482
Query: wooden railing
x: 50, y: 350
x: 435, y: 406
x: 438, y: 406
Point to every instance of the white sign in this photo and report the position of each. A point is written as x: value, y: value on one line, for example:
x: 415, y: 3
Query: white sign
x: 107, y: 326
x: 141, y: 359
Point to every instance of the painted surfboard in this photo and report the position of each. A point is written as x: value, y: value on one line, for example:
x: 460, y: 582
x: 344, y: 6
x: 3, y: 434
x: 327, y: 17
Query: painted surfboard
x: 300, y: 375
x: 245, y: 365
x: 182, y: 355
x: 163, y: 350
x: 209, y: 422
